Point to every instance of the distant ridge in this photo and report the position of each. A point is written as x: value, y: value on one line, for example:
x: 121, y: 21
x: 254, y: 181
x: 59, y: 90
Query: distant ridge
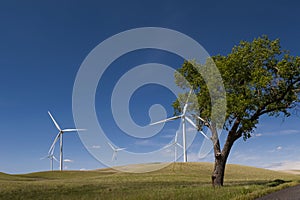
x: 203, y: 168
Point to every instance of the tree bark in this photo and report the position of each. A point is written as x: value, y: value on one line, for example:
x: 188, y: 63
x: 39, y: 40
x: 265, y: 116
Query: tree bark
x: 220, y: 163
x: 221, y: 157
x: 217, y: 177
x: 218, y: 172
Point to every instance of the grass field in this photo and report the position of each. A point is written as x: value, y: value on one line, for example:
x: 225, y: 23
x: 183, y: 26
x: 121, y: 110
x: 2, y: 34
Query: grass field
x: 177, y: 181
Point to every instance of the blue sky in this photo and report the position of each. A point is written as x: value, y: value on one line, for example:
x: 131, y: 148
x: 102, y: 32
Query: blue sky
x: 43, y: 44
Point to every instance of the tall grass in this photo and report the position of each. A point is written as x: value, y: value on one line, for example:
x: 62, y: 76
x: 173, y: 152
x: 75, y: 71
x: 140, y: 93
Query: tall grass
x: 177, y: 181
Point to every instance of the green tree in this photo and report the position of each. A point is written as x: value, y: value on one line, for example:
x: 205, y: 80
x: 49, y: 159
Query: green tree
x: 260, y: 78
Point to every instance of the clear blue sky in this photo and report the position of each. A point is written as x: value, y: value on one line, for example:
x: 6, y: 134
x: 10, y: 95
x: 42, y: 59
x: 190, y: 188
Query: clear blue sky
x: 43, y: 43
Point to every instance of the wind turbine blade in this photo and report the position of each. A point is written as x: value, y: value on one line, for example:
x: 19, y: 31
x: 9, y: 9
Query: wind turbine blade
x: 200, y: 118
x: 179, y: 145
x: 169, y: 145
x: 55, y: 159
x: 53, y: 144
x: 176, y: 134
x: 43, y: 158
x: 204, y: 134
x: 184, y: 109
x: 173, y: 142
x: 206, y: 146
x: 165, y: 120
x: 176, y: 140
x: 51, y: 151
x: 120, y: 149
x: 176, y: 137
x: 73, y: 130
x: 192, y: 123
x: 187, y: 100
x: 55, y: 123
x: 112, y: 147
x: 114, y: 156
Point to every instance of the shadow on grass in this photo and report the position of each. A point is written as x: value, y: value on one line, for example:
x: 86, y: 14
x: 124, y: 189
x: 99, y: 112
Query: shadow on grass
x: 272, y: 183
x: 277, y: 182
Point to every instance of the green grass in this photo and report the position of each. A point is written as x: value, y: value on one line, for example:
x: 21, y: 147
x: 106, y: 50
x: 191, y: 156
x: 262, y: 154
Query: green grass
x: 177, y: 181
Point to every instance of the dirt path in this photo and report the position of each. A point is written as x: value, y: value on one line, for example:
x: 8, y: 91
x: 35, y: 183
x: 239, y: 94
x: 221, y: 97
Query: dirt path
x: 291, y: 193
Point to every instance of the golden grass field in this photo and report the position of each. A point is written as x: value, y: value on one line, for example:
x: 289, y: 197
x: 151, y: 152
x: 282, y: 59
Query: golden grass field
x: 176, y: 181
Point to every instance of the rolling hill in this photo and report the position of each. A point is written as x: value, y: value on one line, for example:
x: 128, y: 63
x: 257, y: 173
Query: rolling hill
x: 176, y: 181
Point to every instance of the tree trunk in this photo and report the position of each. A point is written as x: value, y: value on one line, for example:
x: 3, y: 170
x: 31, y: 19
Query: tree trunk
x: 218, y: 172
x: 221, y: 157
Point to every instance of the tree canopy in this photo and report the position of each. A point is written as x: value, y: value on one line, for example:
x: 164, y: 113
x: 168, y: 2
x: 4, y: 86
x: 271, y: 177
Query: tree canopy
x: 259, y: 77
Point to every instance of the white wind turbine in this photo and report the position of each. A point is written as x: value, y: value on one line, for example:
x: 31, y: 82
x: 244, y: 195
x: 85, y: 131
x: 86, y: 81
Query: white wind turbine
x: 60, y: 136
x: 115, y: 151
x: 184, y: 118
x: 175, y: 144
x: 51, y: 157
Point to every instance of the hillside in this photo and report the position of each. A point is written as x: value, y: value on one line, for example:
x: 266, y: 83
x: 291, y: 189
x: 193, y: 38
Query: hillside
x: 177, y: 181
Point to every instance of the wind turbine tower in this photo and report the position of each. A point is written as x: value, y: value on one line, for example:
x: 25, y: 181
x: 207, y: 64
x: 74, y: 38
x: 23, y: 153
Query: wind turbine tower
x: 60, y: 136
x: 183, y: 118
